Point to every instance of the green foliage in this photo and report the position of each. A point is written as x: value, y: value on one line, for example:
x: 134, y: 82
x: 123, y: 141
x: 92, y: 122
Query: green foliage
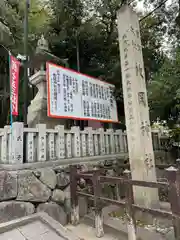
x: 175, y: 134
x: 164, y: 90
x: 12, y: 17
x: 169, y: 14
x: 152, y: 31
x: 98, y: 38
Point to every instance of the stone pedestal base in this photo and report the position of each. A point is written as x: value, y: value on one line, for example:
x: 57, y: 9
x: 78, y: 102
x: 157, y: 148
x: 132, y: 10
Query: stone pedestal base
x: 37, y: 111
x: 37, y: 117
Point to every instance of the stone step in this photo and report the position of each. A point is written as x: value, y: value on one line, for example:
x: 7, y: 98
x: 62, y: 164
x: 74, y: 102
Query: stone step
x: 39, y: 226
x: 86, y: 232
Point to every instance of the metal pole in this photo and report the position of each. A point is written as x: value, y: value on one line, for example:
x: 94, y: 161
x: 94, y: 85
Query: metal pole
x: 77, y: 52
x: 25, y: 86
x: 26, y: 11
x: 78, y: 69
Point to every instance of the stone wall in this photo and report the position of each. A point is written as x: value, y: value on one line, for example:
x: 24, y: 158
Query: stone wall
x: 25, y: 192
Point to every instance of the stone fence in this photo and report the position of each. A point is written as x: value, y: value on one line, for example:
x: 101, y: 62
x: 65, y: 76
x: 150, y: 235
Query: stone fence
x: 28, y: 145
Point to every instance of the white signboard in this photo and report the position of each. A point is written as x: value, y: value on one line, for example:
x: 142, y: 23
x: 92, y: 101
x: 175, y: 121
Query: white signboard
x: 78, y: 96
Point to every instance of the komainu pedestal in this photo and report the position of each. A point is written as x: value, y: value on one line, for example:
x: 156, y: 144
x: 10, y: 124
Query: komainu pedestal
x: 37, y: 111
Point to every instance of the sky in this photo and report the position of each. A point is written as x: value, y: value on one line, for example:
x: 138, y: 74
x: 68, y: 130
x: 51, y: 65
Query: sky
x: 141, y: 7
x: 165, y: 45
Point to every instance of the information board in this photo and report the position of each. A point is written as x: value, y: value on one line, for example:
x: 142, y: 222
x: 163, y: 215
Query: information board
x: 78, y: 96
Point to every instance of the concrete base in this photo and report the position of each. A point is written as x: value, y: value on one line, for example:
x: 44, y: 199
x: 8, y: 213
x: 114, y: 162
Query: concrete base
x: 35, y: 227
x: 64, y: 162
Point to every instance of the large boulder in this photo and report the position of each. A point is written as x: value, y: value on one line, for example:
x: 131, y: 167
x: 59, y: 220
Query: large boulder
x: 48, y: 177
x: 58, y: 196
x: 11, y: 210
x: 55, y: 211
x: 8, y: 185
x: 63, y: 180
x: 31, y: 189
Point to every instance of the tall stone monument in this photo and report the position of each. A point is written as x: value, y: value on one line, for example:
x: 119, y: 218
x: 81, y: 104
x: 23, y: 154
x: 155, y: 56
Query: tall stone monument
x: 140, y: 146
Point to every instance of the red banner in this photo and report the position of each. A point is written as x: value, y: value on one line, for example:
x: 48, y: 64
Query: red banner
x: 14, y: 81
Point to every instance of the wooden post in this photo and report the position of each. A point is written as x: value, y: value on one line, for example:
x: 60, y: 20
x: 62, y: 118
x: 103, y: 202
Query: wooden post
x: 74, y: 196
x: 174, y: 198
x: 97, y: 205
x: 118, y: 196
x: 117, y: 190
x: 131, y: 222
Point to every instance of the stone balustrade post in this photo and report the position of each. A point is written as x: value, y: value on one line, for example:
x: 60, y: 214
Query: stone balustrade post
x: 17, y: 132
x: 60, y: 144
x: 76, y: 141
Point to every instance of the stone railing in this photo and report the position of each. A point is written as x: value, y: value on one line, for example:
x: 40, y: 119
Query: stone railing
x: 29, y: 145
x: 41, y: 144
